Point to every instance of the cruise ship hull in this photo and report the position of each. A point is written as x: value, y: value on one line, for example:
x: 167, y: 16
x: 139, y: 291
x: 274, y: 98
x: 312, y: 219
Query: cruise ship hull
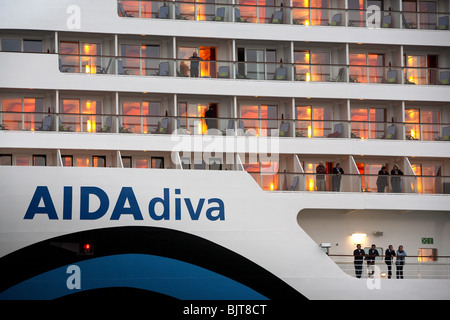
x: 182, y: 234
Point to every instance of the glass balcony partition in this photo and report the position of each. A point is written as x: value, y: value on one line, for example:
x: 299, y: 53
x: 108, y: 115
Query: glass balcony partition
x: 367, y: 183
x: 364, y: 14
x: 303, y: 69
x: 145, y: 117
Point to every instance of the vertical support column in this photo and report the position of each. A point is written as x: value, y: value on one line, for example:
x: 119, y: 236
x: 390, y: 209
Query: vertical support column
x: 349, y: 119
x: 292, y: 59
x: 174, y: 56
x: 294, y: 123
x: 236, y: 125
x: 402, y: 64
x: 56, y: 42
x: 291, y: 14
x: 119, y: 159
x: 233, y: 15
x: 402, y: 119
x: 59, y: 162
x: 175, y: 113
x: 355, y: 180
x: 116, y: 52
x: 57, y: 117
x: 347, y: 62
x: 233, y: 58
x: 117, y: 112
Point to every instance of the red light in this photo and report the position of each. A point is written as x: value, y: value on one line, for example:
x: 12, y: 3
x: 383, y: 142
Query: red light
x: 87, y: 248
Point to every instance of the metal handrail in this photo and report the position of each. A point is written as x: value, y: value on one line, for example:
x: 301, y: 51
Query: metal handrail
x: 287, y: 6
x: 221, y: 118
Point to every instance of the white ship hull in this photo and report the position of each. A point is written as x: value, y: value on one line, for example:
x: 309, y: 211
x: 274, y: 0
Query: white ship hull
x: 261, y: 227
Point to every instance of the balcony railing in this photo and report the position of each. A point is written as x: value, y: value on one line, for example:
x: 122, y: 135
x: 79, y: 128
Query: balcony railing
x: 367, y: 183
x: 415, y: 267
x: 372, y: 17
x: 278, y: 71
x: 259, y: 127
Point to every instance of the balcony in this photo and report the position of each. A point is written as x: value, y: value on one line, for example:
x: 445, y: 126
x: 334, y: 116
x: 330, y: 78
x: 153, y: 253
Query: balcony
x: 282, y: 71
x: 366, y: 183
x: 372, y: 17
x: 92, y: 122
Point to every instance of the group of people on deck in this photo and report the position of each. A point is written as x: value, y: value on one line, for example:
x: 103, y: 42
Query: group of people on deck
x: 360, y: 255
x: 382, y: 180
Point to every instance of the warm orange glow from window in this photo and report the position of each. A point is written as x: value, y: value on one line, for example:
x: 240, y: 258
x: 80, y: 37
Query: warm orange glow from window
x: 413, y: 134
x: 271, y: 186
x: 308, y: 77
x: 309, y: 132
x: 311, y: 185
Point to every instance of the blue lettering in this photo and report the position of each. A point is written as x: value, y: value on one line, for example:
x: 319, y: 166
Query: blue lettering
x: 166, y: 207
x: 84, y: 203
x: 67, y: 205
x: 158, y: 207
x: 194, y: 215
x: 221, y: 210
x: 43, y: 194
x: 119, y: 209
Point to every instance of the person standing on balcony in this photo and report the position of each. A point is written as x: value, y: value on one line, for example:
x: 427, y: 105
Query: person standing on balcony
x: 382, y: 181
x: 396, y: 182
x: 400, y: 262
x: 320, y: 177
x: 388, y: 257
x: 195, y: 64
x: 358, y: 254
x: 338, y: 172
x: 210, y: 114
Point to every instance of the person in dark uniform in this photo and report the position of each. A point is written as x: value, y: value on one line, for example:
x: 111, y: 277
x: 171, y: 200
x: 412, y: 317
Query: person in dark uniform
x: 388, y: 257
x: 382, y: 181
x: 359, y: 254
x: 373, y: 253
x: 396, y: 182
x: 195, y: 63
x: 338, y: 172
x: 210, y: 115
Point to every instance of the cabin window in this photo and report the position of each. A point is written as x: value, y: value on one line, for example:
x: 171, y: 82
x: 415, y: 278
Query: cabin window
x: 140, y: 116
x: 39, y: 160
x: 32, y: 45
x: 427, y: 254
x: 312, y: 66
x: 84, y: 57
x: 140, y: 59
x: 22, y: 160
x: 127, y: 162
x: 422, y: 124
x: 5, y: 160
x: 366, y: 67
x: 264, y: 172
x: 429, y: 178
x: 157, y: 162
x: 99, y: 161
x: 260, y: 119
x: 80, y: 115
x: 368, y: 123
x: 22, y: 113
x: 83, y: 161
x: 141, y: 162
x: 67, y: 161
x: 313, y: 121
x: 13, y: 45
